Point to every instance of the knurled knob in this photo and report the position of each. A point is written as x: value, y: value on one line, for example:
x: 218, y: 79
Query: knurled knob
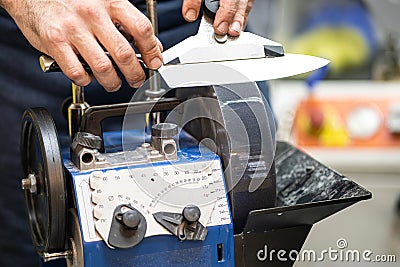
x: 87, y: 140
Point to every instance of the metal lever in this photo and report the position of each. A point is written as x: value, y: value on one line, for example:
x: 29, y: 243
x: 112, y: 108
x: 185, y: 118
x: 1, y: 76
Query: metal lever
x: 48, y: 64
x: 78, y: 106
x: 185, y: 226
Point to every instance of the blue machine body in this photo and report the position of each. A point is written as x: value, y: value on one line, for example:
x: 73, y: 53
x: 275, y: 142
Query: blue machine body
x: 162, y: 250
x: 166, y: 251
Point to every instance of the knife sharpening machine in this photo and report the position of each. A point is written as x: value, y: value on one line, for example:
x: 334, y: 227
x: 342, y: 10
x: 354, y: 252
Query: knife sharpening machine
x: 195, y: 176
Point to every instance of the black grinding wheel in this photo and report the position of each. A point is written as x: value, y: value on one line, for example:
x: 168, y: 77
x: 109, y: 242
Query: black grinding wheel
x: 44, y: 182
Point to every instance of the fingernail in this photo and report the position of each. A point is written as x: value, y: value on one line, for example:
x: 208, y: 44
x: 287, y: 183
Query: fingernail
x: 191, y: 14
x: 223, y: 27
x: 155, y: 63
x: 236, y: 26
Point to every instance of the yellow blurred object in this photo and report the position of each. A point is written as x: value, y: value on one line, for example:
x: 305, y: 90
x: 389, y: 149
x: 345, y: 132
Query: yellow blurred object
x: 344, y: 46
x: 332, y: 132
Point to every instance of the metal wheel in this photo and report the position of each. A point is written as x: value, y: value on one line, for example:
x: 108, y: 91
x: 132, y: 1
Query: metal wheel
x: 43, y: 182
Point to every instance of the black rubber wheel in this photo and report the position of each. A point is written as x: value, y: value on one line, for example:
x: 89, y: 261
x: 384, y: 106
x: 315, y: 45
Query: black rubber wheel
x: 41, y: 157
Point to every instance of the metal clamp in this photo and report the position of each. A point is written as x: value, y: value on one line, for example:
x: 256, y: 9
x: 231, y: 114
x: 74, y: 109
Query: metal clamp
x: 128, y: 227
x: 185, y: 226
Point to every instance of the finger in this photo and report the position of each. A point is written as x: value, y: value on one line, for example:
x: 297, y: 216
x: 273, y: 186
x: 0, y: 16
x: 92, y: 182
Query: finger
x: 124, y: 33
x: 248, y: 9
x: 237, y: 24
x: 120, y: 50
x: 191, y: 9
x: 70, y: 64
x: 98, y: 61
x: 225, y: 15
x: 130, y: 38
x: 138, y: 25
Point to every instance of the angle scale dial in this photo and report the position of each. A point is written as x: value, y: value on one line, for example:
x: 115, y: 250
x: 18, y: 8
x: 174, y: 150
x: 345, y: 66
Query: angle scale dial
x: 162, y: 188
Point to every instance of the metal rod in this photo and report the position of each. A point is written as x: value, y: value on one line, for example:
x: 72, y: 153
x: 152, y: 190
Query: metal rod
x: 151, y: 9
x: 78, y: 94
x: 56, y: 256
x: 155, y: 90
x: 154, y: 79
x: 76, y: 109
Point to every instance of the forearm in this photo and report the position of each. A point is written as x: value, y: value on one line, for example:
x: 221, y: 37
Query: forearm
x: 7, y: 4
x: 16, y: 8
x: 24, y: 13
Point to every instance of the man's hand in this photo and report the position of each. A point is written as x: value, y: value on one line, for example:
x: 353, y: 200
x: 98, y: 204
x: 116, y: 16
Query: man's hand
x: 65, y: 28
x: 231, y: 17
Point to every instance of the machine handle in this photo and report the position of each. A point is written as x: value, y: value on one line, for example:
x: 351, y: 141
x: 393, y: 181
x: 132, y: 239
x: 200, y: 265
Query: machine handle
x: 48, y: 64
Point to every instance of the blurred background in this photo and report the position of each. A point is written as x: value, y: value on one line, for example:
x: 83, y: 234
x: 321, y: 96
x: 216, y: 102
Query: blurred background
x: 346, y: 115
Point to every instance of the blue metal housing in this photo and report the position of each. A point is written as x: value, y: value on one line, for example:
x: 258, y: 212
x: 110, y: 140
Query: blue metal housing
x: 164, y: 250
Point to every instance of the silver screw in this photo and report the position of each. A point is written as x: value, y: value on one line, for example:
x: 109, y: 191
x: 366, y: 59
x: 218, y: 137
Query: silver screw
x: 29, y: 183
x: 26, y: 184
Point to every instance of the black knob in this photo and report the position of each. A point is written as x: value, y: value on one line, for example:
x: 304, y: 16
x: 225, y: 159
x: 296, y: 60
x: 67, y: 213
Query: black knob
x: 191, y: 213
x: 87, y: 140
x: 164, y: 130
x: 131, y: 219
x: 210, y: 8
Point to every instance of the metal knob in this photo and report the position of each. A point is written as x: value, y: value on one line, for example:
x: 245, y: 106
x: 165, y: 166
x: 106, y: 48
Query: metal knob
x: 131, y: 219
x: 191, y: 213
x: 164, y: 130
